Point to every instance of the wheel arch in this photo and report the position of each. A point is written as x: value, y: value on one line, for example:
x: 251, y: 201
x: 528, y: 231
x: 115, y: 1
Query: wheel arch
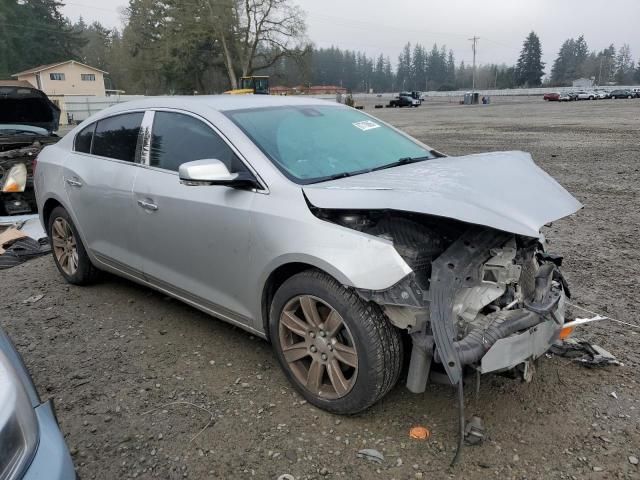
x: 277, y: 277
x: 49, y: 205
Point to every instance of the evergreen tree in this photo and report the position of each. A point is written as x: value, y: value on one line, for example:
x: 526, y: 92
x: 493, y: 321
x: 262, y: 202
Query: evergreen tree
x: 404, y: 68
x: 530, y: 67
x: 418, y: 68
x: 624, y: 66
x: 451, y: 70
x: 32, y: 33
x: 563, y: 69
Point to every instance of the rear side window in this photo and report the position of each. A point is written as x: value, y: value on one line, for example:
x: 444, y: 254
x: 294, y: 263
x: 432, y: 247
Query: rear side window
x: 179, y: 138
x: 116, y: 137
x: 83, y: 139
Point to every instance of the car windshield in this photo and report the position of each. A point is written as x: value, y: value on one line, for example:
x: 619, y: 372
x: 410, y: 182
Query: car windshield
x: 311, y: 144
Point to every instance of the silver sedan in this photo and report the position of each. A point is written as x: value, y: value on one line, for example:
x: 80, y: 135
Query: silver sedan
x: 319, y: 228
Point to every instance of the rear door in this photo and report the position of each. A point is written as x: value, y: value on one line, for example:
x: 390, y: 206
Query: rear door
x: 99, y: 179
x: 195, y: 240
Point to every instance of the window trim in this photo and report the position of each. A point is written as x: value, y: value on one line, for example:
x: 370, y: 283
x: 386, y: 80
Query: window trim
x: 137, y: 158
x: 92, y: 77
x: 60, y: 74
x: 146, y: 151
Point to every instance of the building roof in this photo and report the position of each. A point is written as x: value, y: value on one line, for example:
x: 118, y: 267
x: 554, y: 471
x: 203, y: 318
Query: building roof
x: 15, y: 83
x: 49, y: 66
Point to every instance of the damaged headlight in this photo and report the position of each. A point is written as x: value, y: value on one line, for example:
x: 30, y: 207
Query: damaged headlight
x: 18, y: 423
x: 16, y: 179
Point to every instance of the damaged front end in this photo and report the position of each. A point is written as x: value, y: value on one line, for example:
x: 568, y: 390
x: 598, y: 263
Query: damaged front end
x: 477, y: 298
x: 17, y: 195
x: 27, y: 122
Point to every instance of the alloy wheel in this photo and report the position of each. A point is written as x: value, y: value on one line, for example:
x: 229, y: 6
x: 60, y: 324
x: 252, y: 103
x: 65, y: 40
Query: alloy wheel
x: 318, y: 347
x: 64, y: 246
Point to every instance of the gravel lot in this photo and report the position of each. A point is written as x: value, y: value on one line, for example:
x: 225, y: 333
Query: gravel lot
x: 136, y: 377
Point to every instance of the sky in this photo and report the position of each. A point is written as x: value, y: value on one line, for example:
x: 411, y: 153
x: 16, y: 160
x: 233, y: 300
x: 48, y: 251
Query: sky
x: 385, y: 26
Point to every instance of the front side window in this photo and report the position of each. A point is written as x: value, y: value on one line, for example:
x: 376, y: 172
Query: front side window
x: 315, y: 143
x: 88, y: 77
x: 83, y: 139
x: 56, y: 76
x: 178, y: 138
x: 116, y: 137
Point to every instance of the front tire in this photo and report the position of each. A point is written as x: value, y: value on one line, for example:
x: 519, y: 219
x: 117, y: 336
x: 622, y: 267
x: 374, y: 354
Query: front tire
x: 340, y: 352
x: 69, y: 253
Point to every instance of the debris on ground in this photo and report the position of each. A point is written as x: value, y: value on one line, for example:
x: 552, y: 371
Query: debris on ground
x: 21, y: 241
x: 474, y: 432
x: 584, y: 353
x: 9, y: 236
x: 419, y: 433
x: 371, y: 455
x: 33, y: 299
x: 633, y: 460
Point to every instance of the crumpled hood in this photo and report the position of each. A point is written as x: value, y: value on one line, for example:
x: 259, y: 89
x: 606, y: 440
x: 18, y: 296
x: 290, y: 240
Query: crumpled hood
x: 503, y: 190
x: 22, y: 105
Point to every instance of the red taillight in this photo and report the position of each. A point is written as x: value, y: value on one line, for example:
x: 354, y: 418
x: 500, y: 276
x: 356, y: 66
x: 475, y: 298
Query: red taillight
x: 34, y: 165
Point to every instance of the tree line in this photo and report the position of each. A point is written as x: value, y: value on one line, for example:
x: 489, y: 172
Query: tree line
x: 608, y: 66
x: 205, y: 46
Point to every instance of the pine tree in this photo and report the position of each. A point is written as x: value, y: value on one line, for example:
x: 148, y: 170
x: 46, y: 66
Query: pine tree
x: 530, y: 67
x: 34, y: 32
x: 404, y: 68
x: 624, y: 66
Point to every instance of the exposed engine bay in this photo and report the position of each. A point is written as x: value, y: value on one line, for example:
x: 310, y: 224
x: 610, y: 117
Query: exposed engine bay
x: 17, y: 155
x: 477, y: 298
x: 27, y: 122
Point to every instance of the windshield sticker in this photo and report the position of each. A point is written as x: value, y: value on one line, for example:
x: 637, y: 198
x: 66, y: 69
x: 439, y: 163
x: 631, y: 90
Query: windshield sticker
x: 366, y: 125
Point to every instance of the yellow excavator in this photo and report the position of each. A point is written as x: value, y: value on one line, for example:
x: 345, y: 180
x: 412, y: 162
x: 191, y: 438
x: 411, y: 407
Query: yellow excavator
x: 254, y: 85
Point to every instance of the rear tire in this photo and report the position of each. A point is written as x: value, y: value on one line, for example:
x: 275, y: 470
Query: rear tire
x: 69, y: 253
x: 303, y: 315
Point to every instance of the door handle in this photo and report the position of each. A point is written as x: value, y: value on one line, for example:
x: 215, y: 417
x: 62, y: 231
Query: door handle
x: 73, y: 183
x: 148, y: 205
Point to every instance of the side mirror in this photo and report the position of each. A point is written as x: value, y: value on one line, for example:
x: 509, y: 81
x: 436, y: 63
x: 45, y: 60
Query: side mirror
x: 214, y: 172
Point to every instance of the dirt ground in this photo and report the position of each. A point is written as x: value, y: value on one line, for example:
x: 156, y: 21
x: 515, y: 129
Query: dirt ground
x: 136, y: 377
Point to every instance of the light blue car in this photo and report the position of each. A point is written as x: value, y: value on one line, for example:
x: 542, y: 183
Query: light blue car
x: 31, y: 443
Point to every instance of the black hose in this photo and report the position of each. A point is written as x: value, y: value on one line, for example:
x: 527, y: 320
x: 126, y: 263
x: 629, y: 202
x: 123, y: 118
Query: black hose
x: 458, y: 454
x: 472, y: 347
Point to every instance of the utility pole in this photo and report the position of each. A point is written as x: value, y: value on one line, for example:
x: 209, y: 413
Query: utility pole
x: 600, y: 74
x: 474, y: 47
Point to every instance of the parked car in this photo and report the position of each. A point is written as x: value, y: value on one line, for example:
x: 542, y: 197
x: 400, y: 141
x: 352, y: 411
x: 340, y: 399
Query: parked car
x: 32, y: 445
x: 585, y: 95
x: 318, y: 227
x: 27, y: 122
x: 636, y: 92
x: 405, y: 99
x: 552, y: 97
x: 621, y: 94
x: 601, y: 94
x: 566, y: 97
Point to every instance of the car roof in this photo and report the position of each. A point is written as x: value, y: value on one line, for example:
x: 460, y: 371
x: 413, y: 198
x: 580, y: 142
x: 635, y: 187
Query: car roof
x: 222, y: 103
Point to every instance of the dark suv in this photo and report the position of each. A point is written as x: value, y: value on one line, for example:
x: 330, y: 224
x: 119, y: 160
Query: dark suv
x: 622, y: 94
x: 27, y: 122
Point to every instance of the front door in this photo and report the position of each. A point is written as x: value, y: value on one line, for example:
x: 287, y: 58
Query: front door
x: 195, y: 240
